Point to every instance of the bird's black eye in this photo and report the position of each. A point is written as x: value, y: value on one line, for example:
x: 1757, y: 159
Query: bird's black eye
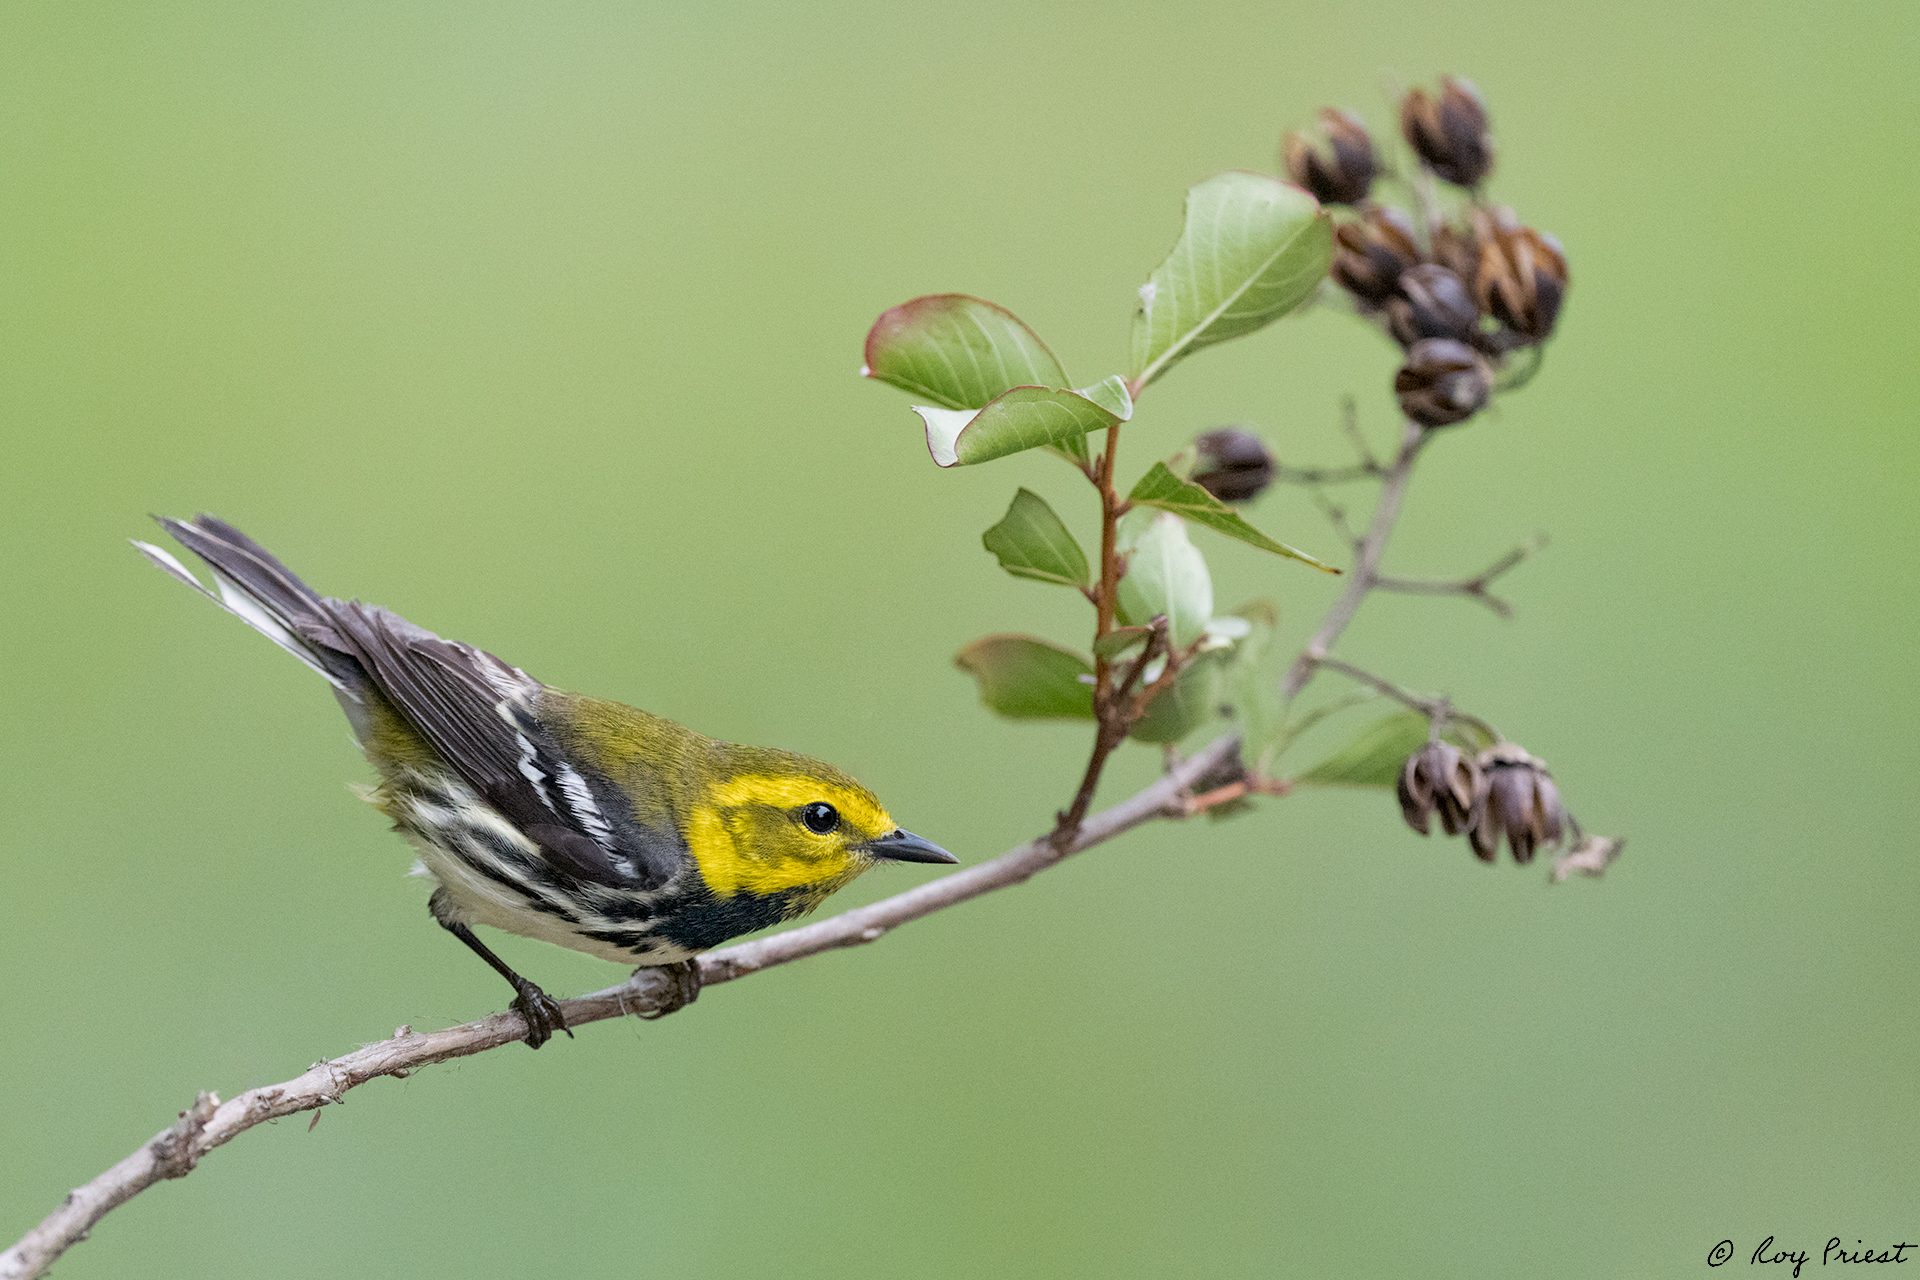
x: 821, y: 819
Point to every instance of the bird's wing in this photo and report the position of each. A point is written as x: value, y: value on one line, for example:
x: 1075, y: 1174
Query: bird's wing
x: 480, y: 714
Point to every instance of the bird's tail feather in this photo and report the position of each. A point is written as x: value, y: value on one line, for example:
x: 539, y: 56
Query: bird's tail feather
x: 263, y: 593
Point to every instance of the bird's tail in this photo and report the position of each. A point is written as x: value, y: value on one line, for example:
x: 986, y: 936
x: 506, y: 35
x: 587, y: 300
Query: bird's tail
x: 260, y: 591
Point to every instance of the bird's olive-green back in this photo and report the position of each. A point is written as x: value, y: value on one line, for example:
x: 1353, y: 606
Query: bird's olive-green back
x: 734, y: 806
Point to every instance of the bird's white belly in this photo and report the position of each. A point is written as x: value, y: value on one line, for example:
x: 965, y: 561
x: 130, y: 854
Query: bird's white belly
x: 480, y: 899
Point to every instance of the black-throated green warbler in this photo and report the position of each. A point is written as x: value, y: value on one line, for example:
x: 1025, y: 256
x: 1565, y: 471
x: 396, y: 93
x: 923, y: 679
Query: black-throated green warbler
x: 570, y: 819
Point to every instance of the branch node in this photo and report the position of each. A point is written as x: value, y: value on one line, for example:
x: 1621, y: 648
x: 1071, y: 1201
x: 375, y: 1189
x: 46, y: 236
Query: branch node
x: 176, y: 1151
x: 1475, y: 587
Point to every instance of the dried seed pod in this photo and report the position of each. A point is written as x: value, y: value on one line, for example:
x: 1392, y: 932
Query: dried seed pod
x: 1443, y: 381
x: 1335, y: 161
x: 1370, y: 252
x: 1522, y: 280
x: 1457, y: 249
x: 1521, y: 805
x: 1234, y: 465
x: 1431, y: 302
x: 1486, y: 221
x: 1456, y: 245
x: 1438, y: 778
x: 1449, y: 132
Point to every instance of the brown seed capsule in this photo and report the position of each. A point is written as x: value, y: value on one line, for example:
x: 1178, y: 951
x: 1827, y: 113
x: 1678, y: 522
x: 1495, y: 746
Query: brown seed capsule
x: 1337, y: 165
x: 1442, y: 382
x: 1456, y: 245
x: 1370, y: 252
x: 1455, y: 248
x: 1234, y: 465
x: 1521, y: 281
x: 1439, y: 779
x: 1431, y: 302
x: 1521, y: 806
x: 1449, y: 131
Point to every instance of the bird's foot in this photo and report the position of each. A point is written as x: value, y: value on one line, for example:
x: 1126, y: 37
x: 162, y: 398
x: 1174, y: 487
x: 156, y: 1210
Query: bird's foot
x: 683, y: 988
x: 542, y: 1013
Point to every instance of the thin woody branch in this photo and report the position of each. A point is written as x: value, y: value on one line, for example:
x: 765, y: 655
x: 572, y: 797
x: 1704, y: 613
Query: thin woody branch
x: 1192, y: 806
x: 1336, y: 515
x: 1432, y: 708
x: 1284, y: 474
x: 1369, y: 466
x: 1365, y: 578
x: 1106, y: 735
x: 1116, y: 709
x: 1350, y: 426
x: 210, y: 1123
x: 1365, y: 574
x: 1439, y: 710
x: 1157, y: 642
x: 1478, y: 587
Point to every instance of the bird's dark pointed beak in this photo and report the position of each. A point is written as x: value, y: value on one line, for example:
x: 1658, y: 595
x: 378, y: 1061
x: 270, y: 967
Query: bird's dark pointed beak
x: 904, y: 846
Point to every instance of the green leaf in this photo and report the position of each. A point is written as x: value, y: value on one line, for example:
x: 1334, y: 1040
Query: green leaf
x: 1192, y: 700
x: 959, y: 352
x: 1029, y: 679
x: 1134, y: 523
x: 1074, y: 450
x: 1251, y: 687
x: 1023, y: 418
x: 1292, y: 730
x: 1469, y: 735
x: 1374, y: 758
x: 1161, y: 488
x: 1111, y: 394
x: 1032, y: 542
x: 1252, y: 249
x: 1167, y: 574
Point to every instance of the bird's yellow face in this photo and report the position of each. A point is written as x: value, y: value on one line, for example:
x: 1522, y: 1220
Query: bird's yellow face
x: 808, y: 830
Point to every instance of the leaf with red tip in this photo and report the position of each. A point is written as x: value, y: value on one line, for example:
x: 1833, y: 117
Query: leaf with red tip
x: 958, y: 352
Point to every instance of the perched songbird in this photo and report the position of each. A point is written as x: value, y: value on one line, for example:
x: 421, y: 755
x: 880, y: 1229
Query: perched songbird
x: 552, y: 815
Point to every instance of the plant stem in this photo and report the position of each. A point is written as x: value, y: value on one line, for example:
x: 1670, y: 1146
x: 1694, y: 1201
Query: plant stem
x: 1439, y: 710
x: 1478, y: 587
x: 1104, y: 600
x: 1366, y: 570
x: 1283, y: 474
x: 1109, y: 716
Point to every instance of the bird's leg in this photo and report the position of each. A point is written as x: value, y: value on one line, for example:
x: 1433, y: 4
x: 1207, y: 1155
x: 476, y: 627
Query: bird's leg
x: 540, y: 1010
x: 683, y: 987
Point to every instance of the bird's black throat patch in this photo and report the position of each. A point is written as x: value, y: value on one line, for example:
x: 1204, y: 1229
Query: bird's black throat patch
x: 701, y: 921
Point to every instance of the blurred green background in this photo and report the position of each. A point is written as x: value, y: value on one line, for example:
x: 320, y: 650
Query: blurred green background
x: 540, y: 324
